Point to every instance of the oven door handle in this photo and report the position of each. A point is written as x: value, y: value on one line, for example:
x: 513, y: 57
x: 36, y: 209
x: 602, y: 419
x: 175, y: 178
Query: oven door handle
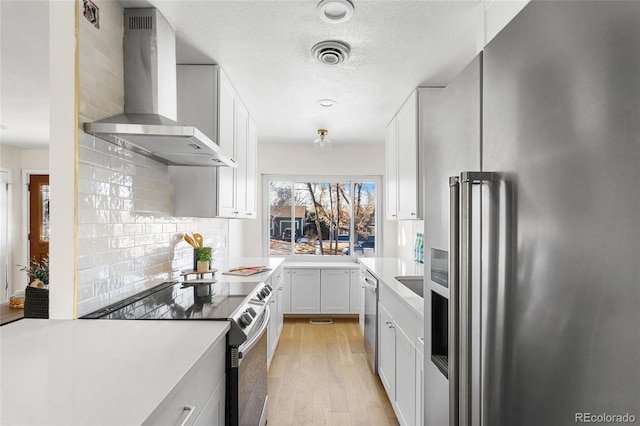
x: 249, y: 344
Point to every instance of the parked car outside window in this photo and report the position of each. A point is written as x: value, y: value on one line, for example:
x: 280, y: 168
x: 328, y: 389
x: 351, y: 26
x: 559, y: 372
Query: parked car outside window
x: 286, y: 235
x: 369, y: 242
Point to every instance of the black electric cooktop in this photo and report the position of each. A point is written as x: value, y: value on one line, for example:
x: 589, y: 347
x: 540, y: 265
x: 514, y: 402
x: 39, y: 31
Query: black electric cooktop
x: 173, y: 300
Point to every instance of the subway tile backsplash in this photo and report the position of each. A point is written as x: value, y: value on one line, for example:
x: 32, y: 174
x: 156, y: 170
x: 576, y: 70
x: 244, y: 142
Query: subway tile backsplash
x: 127, y: 235
x: 128, y: 239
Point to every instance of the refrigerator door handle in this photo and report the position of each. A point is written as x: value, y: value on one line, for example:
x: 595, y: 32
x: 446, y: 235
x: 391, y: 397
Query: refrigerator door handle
x: 470, y: 213
x: 454, y: 283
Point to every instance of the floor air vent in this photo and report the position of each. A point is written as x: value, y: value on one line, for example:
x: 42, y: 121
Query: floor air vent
x: 320, y: 321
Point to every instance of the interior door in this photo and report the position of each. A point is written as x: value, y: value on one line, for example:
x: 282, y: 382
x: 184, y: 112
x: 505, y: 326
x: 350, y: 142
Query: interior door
x: 38, y: 216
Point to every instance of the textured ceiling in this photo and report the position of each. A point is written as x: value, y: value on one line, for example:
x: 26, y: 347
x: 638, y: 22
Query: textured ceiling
x: 264, y: 47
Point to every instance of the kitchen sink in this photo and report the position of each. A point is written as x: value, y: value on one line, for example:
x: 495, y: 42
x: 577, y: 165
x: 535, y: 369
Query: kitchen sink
x: 412, y: 282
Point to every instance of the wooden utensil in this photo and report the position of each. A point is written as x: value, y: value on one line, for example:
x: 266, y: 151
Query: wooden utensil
x: 190, y: 241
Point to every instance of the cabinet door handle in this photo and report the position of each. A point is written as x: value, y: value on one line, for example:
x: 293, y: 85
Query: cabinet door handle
x: 189, y: 409
x: 413, y: 214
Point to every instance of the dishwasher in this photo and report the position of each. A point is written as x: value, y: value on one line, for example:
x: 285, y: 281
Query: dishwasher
x: 370, y: 285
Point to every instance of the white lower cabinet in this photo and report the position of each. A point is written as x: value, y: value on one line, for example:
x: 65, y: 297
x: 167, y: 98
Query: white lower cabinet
x: 386, y: 352
x: 321, y: 291
x: 405, y: 395
x: 276, y: 317
x: 199, y: 394
x: 399, y: 361
x: 286, y: 292
x: 354, y: 291
x: 305, y: 291
x: 213, y: 412
x: 272, y: 330
x: 334, y: 291
x: 419, y: 389
x: 361, y: 287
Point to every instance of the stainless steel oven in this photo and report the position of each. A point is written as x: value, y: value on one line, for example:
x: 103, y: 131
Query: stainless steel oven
x: 247, y: 377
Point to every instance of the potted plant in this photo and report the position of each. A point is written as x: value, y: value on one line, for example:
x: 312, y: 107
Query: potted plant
x: 204, y: 259
x: 36, y: 295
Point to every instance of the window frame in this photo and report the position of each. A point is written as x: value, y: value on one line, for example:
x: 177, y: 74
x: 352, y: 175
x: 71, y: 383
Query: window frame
x: 331, y: 179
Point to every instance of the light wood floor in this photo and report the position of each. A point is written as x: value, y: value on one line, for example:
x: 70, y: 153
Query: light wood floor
x: 320, y: 375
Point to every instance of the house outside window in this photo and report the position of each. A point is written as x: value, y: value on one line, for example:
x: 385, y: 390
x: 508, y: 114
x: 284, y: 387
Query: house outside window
x: 320, y: 216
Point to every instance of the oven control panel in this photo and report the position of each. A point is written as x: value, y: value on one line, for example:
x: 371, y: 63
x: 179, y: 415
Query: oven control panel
x: 246, y: 314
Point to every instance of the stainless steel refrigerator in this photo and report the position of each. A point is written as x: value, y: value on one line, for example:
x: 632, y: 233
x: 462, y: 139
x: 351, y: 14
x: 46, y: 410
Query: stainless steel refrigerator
x: 541, y: 222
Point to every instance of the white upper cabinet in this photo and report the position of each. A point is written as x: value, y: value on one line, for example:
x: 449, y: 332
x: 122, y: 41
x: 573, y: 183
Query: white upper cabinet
x: 251, y: 177
x: 405, y: 158
x: 207, y: 99
x: 407, y: 150
x: 227, y: 141
x: 391, y: 178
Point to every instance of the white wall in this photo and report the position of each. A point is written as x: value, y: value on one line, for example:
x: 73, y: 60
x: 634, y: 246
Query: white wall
x: 344, y: 159
x: 18, y: 160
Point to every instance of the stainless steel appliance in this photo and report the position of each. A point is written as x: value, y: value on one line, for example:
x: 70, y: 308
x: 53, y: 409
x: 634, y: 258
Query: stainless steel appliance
x: 245, y: 305
x: 544, y: 277
x: 370, y: 284
x: 148, y: 123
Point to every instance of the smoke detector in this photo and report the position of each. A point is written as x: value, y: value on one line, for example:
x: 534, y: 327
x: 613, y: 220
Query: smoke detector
x: 331, y: 52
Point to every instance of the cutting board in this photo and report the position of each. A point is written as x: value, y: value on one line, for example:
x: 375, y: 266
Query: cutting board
x: 245, y: 271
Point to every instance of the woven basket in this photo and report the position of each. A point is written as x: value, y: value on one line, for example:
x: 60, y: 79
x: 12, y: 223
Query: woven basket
x: 36, y: 302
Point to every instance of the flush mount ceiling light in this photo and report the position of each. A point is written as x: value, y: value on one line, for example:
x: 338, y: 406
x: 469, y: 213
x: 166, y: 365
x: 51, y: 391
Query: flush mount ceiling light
x: 326, y: 103
x: 323, y: 143
x: 335, y: 11
x: 331, y: 52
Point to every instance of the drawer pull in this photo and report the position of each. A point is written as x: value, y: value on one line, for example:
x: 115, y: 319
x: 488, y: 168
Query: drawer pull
x: 189, y: 409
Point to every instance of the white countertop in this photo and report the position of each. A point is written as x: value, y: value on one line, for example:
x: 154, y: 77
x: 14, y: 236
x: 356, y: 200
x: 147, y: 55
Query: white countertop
x: 386, y: 269
x: 96, y: 372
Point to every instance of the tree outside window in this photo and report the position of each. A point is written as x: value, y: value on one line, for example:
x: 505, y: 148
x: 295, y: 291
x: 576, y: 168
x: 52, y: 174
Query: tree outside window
x: 312, y: 217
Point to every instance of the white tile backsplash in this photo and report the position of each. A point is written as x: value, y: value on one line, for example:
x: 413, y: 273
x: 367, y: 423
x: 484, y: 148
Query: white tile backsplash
x: 128, y: 239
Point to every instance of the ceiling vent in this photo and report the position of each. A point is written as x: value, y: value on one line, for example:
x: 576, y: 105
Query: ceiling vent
x: 331, y: 52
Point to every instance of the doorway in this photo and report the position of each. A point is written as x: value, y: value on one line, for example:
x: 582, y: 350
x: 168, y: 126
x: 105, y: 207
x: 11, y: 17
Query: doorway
x: 39, y: 225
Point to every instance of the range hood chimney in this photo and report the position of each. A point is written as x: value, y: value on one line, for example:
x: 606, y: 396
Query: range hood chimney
x: 148, y: 124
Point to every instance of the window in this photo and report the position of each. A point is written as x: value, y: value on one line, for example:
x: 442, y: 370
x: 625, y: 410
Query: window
x: 321, y: 216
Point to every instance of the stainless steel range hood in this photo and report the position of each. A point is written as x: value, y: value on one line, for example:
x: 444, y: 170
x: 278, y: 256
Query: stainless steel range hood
x: 148, y: 124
